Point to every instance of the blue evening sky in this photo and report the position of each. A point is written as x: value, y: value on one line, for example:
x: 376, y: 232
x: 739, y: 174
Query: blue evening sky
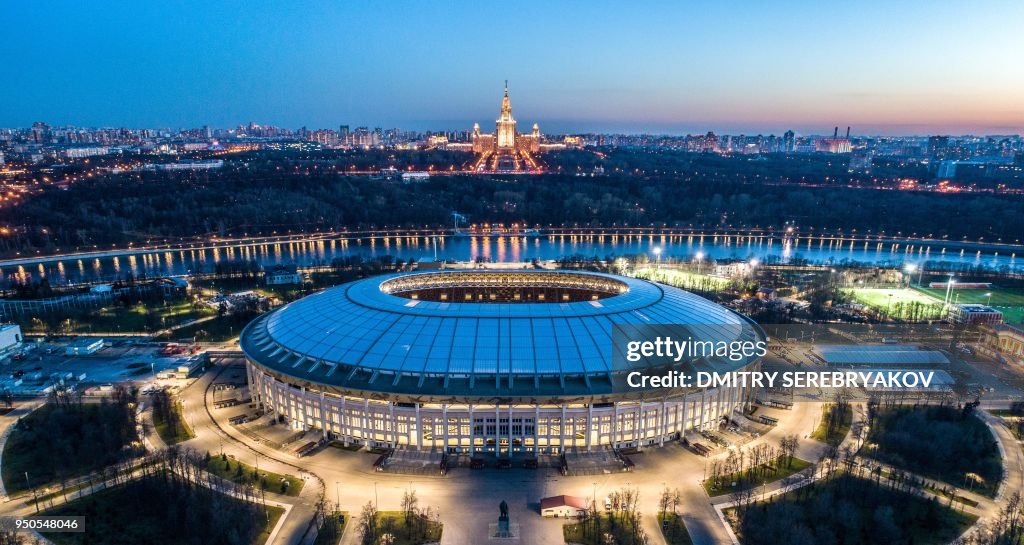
x: 741, y: 66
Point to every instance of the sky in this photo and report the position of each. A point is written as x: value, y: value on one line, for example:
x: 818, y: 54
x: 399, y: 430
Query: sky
x: 745, y: 66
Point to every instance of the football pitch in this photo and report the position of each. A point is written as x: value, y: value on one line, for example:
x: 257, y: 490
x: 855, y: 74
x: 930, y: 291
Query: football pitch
x: 883, y: 297
x: 1009, y: 301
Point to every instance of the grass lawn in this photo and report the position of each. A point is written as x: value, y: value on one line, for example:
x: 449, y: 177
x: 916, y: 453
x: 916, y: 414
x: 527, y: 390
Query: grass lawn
x: 759, y: 478
x: 351, y: 448
x: 183, y: 433
x: 269, y: 481
x: 115, y: 516
x: 673, y: 529
x: 850, y: 510
x: 896, y: 302
x: 838, y: 433
x: 1010, y: 301
x: 141, y: 317
x: 275, y: 514
x: 288, y: 292
x: 683, y: 279
x: 575, y: 532
x: 332, y: 530
x: 221, y: 328
x: 397, y: 521
x: 946, y: 493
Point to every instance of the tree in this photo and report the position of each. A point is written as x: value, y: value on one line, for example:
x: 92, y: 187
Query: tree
x: 410, y: 510
x: 788, y: 445
x: 664, y: 501
x: 367, y: 525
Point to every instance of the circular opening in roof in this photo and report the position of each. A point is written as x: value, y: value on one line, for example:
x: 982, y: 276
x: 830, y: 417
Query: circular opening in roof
x: 504, y: 287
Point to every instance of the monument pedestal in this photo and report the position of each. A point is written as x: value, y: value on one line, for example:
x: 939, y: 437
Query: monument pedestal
x: 509, y: 531
x: 503, y: 529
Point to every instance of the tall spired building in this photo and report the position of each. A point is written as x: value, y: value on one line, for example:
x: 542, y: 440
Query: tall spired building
x: 505, y: 127
x: 506, y: 150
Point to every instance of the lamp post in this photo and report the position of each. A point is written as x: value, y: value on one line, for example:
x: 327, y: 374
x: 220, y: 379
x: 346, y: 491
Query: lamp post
x: 700, y: 261
x: 35, y: 500
x: 909, y: 269
x: 657, y: 256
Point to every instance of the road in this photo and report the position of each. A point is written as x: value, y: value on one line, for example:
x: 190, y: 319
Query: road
x: 467, y: 501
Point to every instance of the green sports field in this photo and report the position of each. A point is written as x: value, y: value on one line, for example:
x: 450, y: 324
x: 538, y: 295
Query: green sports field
x: 882, y: 297
x: 895, y: 302
x: 1010, y: 301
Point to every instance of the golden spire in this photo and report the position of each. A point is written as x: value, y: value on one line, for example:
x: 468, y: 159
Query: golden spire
x: 506, y: 105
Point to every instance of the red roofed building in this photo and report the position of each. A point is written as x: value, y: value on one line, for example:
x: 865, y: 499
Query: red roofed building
x: 563, y: 507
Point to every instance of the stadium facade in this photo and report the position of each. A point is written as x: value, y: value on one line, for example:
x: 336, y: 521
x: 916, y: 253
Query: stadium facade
x: 485, y: 361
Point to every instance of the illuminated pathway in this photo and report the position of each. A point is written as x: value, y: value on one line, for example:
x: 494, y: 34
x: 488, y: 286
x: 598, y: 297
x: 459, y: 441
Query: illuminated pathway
x: 465, y: 499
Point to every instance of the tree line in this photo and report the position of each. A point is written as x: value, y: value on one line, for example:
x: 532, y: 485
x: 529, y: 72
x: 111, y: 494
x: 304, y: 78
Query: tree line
x: 275, y: 195
x: 194, y: 507
x: 67, y: 437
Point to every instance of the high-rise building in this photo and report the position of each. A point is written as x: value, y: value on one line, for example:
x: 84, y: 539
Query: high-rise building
x: 937, y: 146
x: 506, y: 149
x: 789, y: 141
x: 505, y: 126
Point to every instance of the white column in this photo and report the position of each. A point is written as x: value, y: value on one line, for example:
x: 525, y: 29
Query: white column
x: 444, y: 425
x: 561, y: 430
x: 663, y: 426
x: 323, y: 414
x: 419, y: 428
x: 536, y: 427
x: 393, y: 424
x: 472, y: 431
x: 346, y: 433
x: 590, y: 422
x: 615, y: 425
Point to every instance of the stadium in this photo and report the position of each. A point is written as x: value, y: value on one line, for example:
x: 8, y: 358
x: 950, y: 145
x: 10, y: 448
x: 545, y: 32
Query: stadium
x: 487, y: 361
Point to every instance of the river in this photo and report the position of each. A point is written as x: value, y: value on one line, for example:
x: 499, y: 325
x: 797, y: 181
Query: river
x: 511, y: 249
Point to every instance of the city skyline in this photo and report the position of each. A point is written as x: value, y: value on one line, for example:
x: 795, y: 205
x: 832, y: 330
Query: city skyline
x: 885, y: 70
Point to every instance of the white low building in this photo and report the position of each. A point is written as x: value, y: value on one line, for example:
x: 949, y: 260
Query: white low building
x: 281, y: 275
x: 84, y: 347
x: 563, y: 507
x: 10, y: 338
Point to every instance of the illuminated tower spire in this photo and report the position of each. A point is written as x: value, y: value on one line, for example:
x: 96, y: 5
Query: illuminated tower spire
x: 505, y: 129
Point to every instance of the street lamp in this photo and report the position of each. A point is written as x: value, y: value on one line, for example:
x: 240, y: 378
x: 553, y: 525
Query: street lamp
x: 700, y: 260
x: 909, y: 268
x: 657, y: 256
x: 989, y: 296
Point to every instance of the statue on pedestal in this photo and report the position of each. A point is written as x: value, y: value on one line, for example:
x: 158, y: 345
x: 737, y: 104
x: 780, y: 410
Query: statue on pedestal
x: 503, y: 525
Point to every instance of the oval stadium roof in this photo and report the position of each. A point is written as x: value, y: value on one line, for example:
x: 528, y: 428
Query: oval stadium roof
x: 358, y: 337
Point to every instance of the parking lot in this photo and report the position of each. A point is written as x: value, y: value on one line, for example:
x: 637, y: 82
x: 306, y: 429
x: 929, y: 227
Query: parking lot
x: 41, y: 364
